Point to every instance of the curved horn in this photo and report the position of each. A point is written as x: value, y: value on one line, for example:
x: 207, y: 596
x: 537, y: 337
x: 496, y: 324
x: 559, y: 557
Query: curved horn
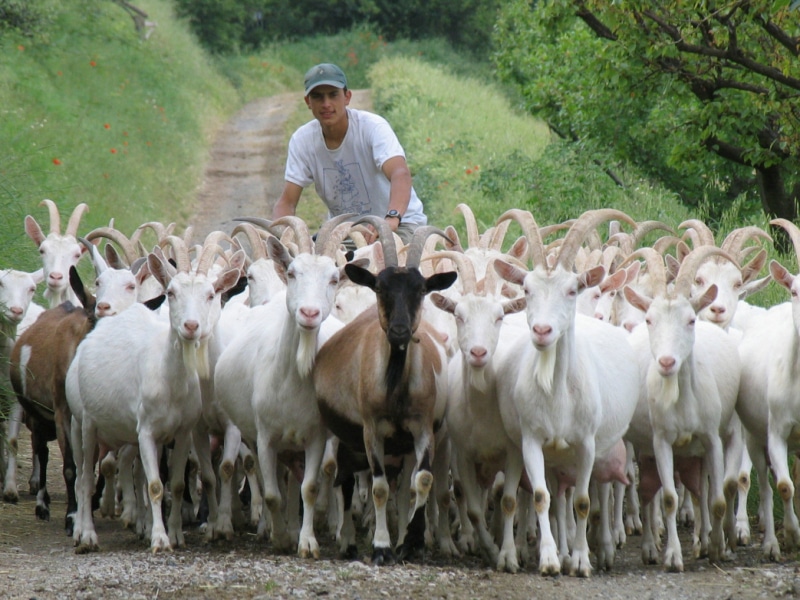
x: 531, y: 231
x: 301, y: 233
x: 119, y: 238
x: 326, y: 244
x: 209, y: 251
x: 55, y: 217
x: 473, y: 238
x: 794, y: 234
x: 656, y: 269
x: 585, y: 224
x: 690, y: 264
x: 160, y: 230
x: 385, y: 236
x: 257, y: 249
x: 736, y: 239
x: 181, y: 253
x: 645, y: 227
x: 498, y: 236
x: 704, y: 235
x: 664, y: 243
x: 417, y: 245
x: 464, y: 266
x: 75, y: 219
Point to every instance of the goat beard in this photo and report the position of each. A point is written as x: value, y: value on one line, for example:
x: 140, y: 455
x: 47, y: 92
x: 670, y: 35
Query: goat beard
x: 546, y: 368
x: 477, y: 378
x: 195, y: 357
x: 306, y: 351
x: 665, y: 390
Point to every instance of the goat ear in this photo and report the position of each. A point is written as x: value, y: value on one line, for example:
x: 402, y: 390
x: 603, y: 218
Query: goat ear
x: 509, y: 272
x: 158, y: 270
x: 38, y: 276
x: 440, y: 281
x: 360, y: 275
x: 280, y: 257
x: 636, y: 299
x: 781, y: 274
x: 705, y: 299
x: 615, y: 281
x: 514, y: 306
x: 751, y: 270
x: 519, y: 249
x: 237, y: 289
x: 155, y: 303
x: 591, y: 278
x: 227, y: 280
x: 33, y: 230
x: 77, y: 285
x: 442, y: 302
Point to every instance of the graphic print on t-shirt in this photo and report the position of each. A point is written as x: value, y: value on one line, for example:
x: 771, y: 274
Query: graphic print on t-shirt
x: 345, y: 189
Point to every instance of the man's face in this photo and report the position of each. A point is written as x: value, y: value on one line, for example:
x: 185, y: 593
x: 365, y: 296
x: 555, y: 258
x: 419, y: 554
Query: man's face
x: 327, y: 104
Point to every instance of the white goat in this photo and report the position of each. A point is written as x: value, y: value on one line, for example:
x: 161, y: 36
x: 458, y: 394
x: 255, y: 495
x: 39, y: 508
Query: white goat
x: 690, y: 373
x: 16, y: 302
x: 768, y: 398
x: 135, y: 380
x: 567, y: 388
x: 263, y: 377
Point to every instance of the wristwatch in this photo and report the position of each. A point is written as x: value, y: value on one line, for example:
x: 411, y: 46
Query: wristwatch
x: 393, y: 214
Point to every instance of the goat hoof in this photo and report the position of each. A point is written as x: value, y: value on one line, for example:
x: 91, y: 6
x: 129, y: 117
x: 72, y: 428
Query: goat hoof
x: 383, y: 557
x: 42, y: 513
x: 10, y: 498
x: 351, y: 553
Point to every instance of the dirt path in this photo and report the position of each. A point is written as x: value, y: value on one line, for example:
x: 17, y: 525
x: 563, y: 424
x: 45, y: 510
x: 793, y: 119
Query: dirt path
x: 244, y: 175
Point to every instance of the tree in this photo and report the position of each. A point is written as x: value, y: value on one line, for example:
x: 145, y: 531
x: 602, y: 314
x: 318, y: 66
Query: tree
x: 707, y: 90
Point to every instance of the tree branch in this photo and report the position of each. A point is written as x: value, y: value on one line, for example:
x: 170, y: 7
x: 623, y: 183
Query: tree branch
x: 600, y: 29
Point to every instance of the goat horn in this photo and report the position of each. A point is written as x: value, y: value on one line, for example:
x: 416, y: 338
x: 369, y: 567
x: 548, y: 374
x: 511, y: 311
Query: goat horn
x: 531, y: 231
x: 327, y: 243
x: 181, y: 253
x: 736, y: 238
x: 645, y: 227
x: 257, y: 249
x: 656, y: 268
x: 159, y: 229
x: 498, y: 236
x: 662, y: 244
x: 585, y: 224
x: 417, y: 245
x: 690, y: 264
x: 209, y: 251
x: 386, y: 237
x: 473, y: 238
x: 794, y: 234
x: 119, y: 238
x: 464, y: 266
x: 704, y: 235
x: 75, y: 219
x: 55, y: 217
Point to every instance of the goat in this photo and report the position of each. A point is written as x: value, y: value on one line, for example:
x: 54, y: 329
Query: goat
x: 18, y: 312
x: 38, y: 367
x: 767, y: 402
x: 263, y: 378
x: 381, y: 383
x: 690, y: 372
x: 135, y: 380
x: 567, y: 387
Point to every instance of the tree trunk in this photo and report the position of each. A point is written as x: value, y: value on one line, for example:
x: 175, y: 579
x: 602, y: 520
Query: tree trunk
x: 777, y: 203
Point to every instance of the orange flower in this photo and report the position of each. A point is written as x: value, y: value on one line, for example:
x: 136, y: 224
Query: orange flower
x: 476, y: 167
x: 59, y: 73
x: 92, y: 63
x: 56, y: 161
x: 469, y: 171
x: 427, y: 139
x: 113, y: 151
x: 106, y: 125
x: 21, y: 48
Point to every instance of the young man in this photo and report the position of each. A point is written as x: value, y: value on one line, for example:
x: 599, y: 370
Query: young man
x: 352, y: 157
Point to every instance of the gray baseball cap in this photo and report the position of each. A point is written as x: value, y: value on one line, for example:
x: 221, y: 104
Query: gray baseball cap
x: 324, y: 74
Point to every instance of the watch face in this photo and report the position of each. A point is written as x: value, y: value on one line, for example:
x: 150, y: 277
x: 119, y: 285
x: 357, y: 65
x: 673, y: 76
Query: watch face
x: 393, y: 213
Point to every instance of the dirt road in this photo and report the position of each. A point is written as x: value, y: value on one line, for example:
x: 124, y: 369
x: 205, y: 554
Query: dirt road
x: 244, y: 175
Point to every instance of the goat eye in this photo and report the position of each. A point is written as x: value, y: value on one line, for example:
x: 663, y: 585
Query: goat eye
x: 648, y: 321
x: 698, y: 281
x: 613, y: 293
x: 130, y: 288
x: 692, y: 322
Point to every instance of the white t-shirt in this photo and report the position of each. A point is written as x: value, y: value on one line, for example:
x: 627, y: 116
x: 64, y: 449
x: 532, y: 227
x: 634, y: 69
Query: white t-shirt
x: 349, y: 179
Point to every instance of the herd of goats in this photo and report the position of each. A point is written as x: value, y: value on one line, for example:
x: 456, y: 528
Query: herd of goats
x: 568, y: 390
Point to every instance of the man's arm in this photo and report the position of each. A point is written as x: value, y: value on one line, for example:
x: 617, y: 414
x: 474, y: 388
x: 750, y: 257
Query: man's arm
x: 287, y: 203
x: 396, y: 171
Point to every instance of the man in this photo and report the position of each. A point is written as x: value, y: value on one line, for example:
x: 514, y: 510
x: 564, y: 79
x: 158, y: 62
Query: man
x: 352, y: 157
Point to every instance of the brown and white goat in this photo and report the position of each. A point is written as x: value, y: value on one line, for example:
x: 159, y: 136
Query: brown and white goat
x: 381, y: 385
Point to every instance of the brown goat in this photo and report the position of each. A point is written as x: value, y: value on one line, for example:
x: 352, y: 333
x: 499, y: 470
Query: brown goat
x: 380, y: 383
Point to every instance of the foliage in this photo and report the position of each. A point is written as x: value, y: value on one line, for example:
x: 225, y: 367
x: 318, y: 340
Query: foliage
x: 24, y: 17
x: 696, y: 94
x: 231, y: 25
x: 93, y: 113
